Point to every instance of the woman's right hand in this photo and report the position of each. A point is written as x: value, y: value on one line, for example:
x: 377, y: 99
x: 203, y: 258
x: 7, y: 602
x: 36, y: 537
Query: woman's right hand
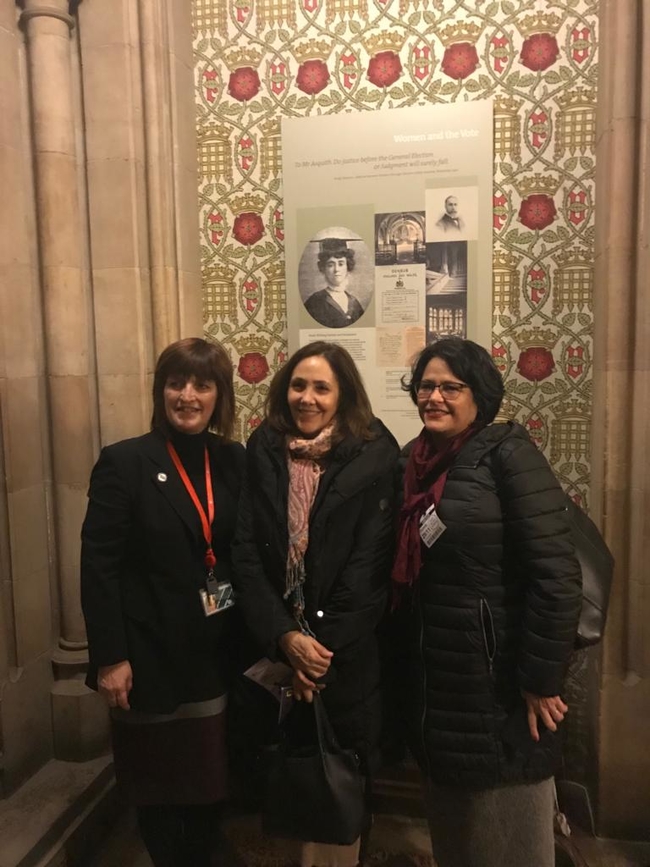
x: 114, y: 682
x: 303, y: 688
x: 306, y: 654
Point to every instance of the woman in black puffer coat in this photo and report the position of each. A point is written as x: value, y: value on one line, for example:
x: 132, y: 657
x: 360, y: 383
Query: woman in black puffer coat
x: 489, y: 592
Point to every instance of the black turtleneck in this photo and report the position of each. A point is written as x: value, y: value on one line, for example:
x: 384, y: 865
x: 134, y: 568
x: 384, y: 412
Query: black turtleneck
x: 191, y: 451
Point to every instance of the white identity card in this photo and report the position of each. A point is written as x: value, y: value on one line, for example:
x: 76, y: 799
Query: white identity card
x: 431, y: 527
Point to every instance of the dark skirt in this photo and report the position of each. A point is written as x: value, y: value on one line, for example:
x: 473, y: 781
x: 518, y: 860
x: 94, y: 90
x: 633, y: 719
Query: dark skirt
x: 177, y: 758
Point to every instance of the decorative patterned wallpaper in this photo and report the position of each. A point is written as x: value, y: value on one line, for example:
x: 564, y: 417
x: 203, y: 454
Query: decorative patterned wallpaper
x: 259, y: 60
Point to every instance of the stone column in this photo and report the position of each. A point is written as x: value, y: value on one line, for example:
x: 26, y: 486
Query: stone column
x: 140, y: 140
x: 78, y: 719
x: 621, y: 434
x: 158, y: 169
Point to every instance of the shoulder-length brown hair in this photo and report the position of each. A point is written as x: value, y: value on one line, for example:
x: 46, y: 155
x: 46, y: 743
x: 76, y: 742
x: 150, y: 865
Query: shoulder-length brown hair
x: 354, y: 413
x: 194, y: 356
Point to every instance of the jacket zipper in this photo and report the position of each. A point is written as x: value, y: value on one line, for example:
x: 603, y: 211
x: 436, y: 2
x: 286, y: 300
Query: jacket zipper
x: 489, y: 635
x: 424, y: 688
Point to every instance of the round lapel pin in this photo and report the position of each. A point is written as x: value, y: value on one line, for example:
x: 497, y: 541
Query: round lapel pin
x: 162, y: 477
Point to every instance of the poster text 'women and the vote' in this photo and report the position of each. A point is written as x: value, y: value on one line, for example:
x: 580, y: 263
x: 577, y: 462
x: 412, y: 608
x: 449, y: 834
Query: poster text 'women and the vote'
x: 388, y: 233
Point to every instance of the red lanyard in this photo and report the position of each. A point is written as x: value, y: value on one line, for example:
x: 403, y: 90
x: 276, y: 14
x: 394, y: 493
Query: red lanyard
x: 206, y: 520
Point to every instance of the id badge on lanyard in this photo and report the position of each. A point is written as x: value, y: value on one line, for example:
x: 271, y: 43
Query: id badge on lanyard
x: 431, y: 527
x: 216, y: 596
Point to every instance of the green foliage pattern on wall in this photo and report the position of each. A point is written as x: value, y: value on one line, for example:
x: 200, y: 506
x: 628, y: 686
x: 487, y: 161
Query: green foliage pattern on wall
x: 260, y: 60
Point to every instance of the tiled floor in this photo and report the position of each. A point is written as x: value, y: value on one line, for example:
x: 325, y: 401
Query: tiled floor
x: 396, y: 842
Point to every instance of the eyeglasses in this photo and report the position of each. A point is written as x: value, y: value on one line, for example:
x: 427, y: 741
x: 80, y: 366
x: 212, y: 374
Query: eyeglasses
x: 448, y: 390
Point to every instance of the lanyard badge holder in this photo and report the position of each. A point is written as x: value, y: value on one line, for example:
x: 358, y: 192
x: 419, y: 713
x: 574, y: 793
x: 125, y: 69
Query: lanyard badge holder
x: 431, y: 527
x: 216, y: 596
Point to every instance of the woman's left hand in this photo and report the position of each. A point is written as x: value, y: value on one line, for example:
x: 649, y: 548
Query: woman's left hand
x: 550, y: 708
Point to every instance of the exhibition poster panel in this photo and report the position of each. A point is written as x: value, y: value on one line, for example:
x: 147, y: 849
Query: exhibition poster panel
x: 388, y: 238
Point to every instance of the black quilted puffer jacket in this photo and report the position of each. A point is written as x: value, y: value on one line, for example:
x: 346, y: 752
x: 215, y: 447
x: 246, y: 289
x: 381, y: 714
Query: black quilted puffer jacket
x: 494, y: 612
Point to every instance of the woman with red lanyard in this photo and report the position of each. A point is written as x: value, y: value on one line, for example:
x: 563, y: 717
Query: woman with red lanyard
x: 156, y: 595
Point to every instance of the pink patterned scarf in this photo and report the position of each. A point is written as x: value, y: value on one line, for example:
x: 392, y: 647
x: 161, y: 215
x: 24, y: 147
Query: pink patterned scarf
x: 304, y: 476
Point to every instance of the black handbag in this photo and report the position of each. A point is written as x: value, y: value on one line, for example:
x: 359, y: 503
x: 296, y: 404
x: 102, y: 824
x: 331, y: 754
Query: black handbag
x: 597, y: 566
x: 314, y: 788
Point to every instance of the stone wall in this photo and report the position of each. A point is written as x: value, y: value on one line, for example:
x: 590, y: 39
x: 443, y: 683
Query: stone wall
x: 99, y: 270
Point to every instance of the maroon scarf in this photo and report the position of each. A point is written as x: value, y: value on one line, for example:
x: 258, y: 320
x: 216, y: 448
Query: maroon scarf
x: 424, y: 482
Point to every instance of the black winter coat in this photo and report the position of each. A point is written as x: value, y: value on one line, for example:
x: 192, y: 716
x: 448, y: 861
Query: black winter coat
x: 495, y: 612
x: 142, y: 568
x: 347, y: 563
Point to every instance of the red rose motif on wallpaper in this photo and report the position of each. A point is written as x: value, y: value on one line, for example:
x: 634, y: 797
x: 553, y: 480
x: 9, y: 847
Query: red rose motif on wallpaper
x: 244, y: 83
x: 539, y: 51
x: 313, y: 76
x: 248, y: 228
x: 460, y: 60
x: 384, y: 68
x: 253, y: 367
x: 536, y: 363
x: 537, y: 211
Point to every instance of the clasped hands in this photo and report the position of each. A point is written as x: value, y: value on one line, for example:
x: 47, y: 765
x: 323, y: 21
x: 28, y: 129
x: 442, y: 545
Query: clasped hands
x: 310, y: 661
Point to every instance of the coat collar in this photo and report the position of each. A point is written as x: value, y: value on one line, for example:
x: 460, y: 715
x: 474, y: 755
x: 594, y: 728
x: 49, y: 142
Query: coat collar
x: 164, y: 477
x: 486, y: 440
x: 478, y: 446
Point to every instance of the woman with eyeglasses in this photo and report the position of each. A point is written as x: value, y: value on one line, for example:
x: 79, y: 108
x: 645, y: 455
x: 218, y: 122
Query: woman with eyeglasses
x: 487, y: 591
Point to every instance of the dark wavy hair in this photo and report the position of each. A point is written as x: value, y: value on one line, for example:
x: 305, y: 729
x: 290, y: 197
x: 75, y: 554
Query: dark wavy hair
x: 354, y: 413
x: 194, y: 356
x: 472, y: 364
x: 333, y: 252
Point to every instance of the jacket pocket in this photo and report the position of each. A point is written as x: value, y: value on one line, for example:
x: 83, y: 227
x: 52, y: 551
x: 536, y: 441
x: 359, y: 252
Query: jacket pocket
x: 488, y: 633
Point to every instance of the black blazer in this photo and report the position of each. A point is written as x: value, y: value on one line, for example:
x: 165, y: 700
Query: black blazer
x: 142, y: 568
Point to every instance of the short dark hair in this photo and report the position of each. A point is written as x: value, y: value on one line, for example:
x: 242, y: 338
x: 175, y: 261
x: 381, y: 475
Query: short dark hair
x: 354, y: 413
x: 472, y: 364
x: 194, y: 356
x: 334, y: 252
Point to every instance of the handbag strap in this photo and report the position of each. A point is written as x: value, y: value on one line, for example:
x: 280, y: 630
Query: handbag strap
x: 327, y: 741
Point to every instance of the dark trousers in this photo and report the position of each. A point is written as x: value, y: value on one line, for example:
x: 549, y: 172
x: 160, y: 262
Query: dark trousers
x: 181, y: 835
